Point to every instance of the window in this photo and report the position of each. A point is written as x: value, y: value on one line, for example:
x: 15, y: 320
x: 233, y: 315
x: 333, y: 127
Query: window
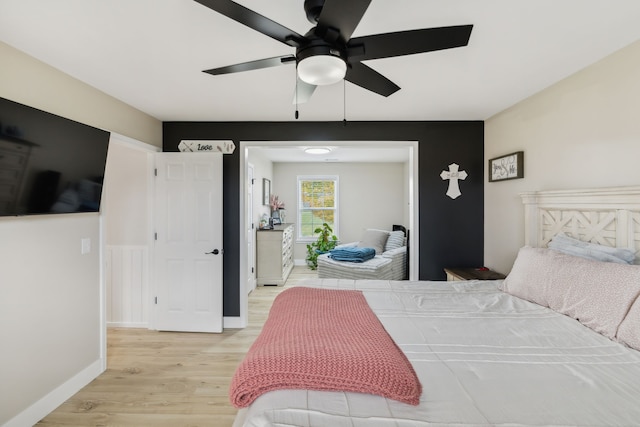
x: 317, y: 204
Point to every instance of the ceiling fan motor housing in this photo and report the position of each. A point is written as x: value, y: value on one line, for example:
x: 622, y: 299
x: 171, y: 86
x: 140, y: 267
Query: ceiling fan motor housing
x: 314, y: 45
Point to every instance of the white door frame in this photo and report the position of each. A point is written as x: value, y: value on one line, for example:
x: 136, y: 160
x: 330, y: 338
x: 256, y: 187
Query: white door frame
x: 250, y: 227
x: 413, y: 202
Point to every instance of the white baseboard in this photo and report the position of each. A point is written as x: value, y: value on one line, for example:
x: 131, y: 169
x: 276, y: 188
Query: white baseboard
x: 56, y: 397
x: 235, y: 322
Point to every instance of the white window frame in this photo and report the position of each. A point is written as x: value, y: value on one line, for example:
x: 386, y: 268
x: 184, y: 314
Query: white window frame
x: 336, y: 215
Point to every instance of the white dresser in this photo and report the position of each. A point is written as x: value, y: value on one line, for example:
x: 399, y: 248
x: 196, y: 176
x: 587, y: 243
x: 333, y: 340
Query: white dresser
x: 275, y: 255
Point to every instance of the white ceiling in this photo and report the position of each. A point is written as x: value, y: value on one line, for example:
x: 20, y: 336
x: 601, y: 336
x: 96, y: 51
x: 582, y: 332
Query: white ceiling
x: 150, y: 54
x: 341, y: 151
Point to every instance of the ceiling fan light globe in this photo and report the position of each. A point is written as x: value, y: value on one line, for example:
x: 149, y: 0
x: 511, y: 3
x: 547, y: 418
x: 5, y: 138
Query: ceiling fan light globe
x: 321, y: 70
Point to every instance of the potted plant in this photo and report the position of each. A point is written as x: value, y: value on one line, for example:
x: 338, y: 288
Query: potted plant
x: 323, y: 244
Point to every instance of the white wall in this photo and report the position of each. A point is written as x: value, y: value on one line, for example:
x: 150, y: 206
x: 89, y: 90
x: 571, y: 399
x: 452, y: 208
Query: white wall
x: 126, y: 189
x: 582, y: 132
x: 262, y: 168
x: 371, y: 195
x: 127, y: 212
x: 50, y: 308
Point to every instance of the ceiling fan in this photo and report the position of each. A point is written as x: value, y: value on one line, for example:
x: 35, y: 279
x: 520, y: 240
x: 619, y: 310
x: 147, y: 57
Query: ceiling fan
x: 327, y: 54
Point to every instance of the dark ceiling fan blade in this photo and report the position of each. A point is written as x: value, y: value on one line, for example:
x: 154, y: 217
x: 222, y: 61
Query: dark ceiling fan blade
x: 253, y: 65
x: 254, y: 20
x: 341, y: 15
x: 303, y: 92
x: 367, y: 78
x: 408, y: 42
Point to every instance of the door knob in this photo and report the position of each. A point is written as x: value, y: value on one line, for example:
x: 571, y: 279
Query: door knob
x: 215, y: 252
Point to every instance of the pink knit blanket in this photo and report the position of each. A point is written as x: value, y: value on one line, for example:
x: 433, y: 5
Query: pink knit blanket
x: 324, y: 339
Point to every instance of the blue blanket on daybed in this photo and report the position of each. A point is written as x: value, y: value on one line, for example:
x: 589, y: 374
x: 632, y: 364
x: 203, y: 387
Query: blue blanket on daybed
x: 352, y: 254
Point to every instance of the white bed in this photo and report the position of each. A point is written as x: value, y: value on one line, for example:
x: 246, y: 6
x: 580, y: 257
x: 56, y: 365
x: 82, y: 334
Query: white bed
x: 485, y: 357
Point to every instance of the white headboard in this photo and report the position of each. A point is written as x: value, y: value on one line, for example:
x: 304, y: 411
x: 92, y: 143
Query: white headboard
x: 607, y: 216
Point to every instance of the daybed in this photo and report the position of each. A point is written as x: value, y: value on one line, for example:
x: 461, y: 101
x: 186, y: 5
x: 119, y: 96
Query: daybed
x: 556, y: 343
x: 389, y: 263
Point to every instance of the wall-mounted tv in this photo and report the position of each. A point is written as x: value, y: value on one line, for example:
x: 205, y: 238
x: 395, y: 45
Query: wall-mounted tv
x: 48, y: 164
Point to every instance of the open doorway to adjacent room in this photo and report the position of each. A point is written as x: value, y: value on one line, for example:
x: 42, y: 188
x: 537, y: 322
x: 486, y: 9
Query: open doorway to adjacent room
x: 390, y: 163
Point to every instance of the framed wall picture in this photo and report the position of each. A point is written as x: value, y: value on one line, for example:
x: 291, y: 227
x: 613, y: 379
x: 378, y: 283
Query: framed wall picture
x: 266, y: 191
x: 510, y: 166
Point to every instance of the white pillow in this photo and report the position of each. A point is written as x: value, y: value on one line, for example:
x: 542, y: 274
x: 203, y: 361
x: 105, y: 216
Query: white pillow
x: 629, y: 329
x: 571, y: 246
x: 598, y: 294
x: 375, y: 239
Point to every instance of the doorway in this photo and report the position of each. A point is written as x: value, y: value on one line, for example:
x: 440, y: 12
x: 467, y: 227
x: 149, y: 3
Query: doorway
x: 411, y: 148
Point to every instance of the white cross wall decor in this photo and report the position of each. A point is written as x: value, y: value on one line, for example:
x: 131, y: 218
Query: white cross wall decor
x: 453, y: 175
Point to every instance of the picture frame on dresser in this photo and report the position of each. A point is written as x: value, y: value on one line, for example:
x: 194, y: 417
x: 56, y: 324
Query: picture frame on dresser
x: 509, y: 166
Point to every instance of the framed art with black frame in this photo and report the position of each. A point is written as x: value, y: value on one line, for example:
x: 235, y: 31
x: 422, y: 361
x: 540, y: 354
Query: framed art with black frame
x: 510, y: 166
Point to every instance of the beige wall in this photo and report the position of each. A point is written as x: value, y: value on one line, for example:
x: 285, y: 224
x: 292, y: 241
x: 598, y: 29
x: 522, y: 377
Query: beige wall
x: 371, y: 195
x: 28, y: 81
x: 49, y: 292
x: 583, y: 132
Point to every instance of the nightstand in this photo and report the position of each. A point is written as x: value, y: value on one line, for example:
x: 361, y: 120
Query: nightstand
x: 472, y: 274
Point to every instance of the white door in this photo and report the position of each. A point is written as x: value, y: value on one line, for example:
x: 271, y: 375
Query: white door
x: 251, y: 232
x: 188, y: 246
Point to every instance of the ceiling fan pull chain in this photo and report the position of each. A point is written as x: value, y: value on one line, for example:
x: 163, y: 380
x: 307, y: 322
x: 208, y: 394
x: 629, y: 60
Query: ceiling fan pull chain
x: 344, y: 102
x: 296, y: 115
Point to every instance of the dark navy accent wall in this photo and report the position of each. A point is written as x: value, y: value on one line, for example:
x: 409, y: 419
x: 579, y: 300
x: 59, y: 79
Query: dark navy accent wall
x: 451, y: 231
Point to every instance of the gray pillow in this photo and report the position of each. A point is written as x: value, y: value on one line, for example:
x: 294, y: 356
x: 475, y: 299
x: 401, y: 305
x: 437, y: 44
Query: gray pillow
x: 395, y: 240
x: 375, y: 239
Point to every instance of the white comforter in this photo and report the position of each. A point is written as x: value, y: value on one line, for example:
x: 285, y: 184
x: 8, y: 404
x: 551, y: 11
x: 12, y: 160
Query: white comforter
x: 483, y: 358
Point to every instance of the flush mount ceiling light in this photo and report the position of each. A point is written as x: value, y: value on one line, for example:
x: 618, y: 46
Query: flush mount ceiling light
x: 317, y: 150
x: 321, y: 70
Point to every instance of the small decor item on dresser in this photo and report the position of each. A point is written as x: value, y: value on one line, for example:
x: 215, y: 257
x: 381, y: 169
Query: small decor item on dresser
x: 276, y: 204
x: 506, y: 167
x: 277, y: 209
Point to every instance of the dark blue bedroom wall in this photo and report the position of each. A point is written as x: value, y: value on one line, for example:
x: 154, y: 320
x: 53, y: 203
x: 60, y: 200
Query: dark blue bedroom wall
x: 451, y: 231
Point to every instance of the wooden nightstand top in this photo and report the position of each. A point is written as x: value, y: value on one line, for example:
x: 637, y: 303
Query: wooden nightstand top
x: 472, y: 274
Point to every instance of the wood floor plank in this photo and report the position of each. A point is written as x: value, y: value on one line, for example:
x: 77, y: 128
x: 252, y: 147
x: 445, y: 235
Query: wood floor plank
x: 168, y: 379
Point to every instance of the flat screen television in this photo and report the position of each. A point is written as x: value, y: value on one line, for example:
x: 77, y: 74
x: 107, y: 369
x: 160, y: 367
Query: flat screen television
x: 48, y: 164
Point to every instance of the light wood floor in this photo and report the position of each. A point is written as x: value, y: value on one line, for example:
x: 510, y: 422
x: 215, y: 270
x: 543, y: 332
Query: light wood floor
x: 168, y: 379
